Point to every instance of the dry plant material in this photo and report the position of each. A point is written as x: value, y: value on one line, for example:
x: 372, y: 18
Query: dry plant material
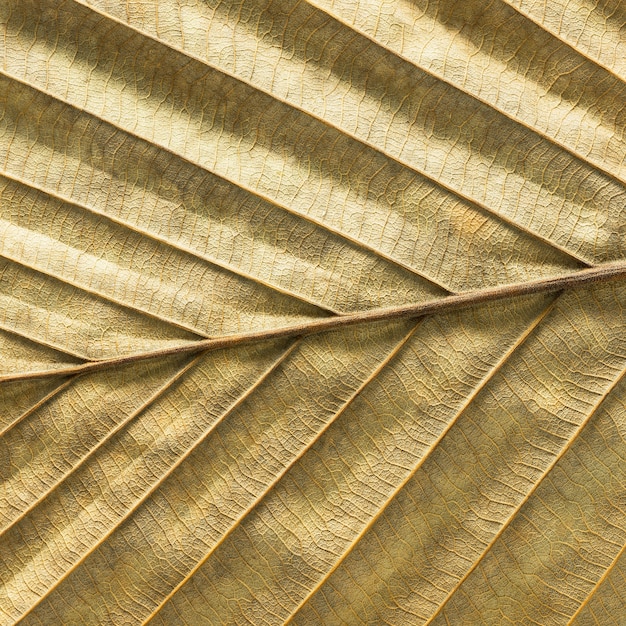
x: 312, y: 312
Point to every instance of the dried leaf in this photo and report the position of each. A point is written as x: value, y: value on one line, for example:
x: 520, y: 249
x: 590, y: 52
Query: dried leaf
x: 312, y: 312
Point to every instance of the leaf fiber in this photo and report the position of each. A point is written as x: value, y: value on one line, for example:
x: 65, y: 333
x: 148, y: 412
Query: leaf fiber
x: 312, y: 312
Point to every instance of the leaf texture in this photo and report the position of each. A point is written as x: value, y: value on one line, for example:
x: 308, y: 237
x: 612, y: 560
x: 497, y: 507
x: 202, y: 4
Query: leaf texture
x: 312, y: 312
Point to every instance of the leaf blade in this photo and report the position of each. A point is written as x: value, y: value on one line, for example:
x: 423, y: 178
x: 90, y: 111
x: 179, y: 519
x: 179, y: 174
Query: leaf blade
x: 293, y: 305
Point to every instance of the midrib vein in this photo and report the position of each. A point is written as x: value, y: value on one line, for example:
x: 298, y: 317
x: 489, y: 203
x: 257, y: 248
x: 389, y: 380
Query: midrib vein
x: 155, y: 397
x: 427, y: 454
x: 257, y: 86
x: 375, y: 372
x: 529, y: 494
x: 598, y: 274
x: 170, y: 243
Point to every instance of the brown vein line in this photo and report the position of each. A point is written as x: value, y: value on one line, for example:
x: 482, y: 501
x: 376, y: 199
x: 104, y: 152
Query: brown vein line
x: 63, y: 385
x: 42, y: 342
x: 364, y: 142
x: 381, y: 366
x: 481, y: 385
x: 166, y: 241
x: 533, y: 490
x: 154, y: 397
x: 565, y: 42
x: 103, y: 296
x: 253, y: 192
x: 245, y: 395
x: 598, y: 274
x: 602, y: 578
x: 571, y: 151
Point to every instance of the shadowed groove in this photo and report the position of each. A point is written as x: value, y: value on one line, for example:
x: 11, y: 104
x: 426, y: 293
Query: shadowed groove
x: 167, y: 242
x: 38, y: 308
x: 596, y: 164
x: 292, y: 475
x: 508, y: 220
x: 19, y: 399
x: 256, y: 193
x: 201, y: 207
x: 255, y: 85
x: 104, y: 296
x: 19, y: 351
x: 45, y: 344
x: 565, y: 41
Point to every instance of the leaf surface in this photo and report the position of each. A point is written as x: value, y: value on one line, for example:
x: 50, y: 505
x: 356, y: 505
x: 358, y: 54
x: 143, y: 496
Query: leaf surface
x: 312, y: 312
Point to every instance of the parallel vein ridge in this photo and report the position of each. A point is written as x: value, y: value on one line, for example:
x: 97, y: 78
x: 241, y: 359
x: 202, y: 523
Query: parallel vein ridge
x: 312, y: 312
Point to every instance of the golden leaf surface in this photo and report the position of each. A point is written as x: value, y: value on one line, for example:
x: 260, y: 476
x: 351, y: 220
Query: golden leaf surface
x: 312, y: 312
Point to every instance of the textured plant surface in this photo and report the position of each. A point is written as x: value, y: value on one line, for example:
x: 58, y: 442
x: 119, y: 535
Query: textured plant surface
x: 313, y: 312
